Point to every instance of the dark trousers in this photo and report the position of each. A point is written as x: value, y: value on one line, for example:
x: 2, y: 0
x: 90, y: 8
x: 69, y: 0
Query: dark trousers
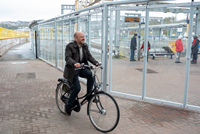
x: 132, y: 54
x: 85, y: 73
x: 195, y: 57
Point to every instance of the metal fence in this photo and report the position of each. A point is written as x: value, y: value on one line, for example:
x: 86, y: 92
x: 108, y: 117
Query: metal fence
x: 7, y: 33
x: 101, y: 26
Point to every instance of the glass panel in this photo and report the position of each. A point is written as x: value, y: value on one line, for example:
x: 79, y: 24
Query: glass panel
x: 96, y: 38
x: 126, y: 74
x: 165, y: 76
x: 50, y: 41
x: 60, y: 43
x: 194, y: 76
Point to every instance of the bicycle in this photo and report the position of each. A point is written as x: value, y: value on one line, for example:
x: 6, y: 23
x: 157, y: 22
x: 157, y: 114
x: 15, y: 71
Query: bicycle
x: 102, y: 108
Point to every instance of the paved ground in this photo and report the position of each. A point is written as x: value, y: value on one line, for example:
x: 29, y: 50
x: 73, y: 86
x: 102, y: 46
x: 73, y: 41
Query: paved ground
x: 18, y: 52
x: 27, y: 106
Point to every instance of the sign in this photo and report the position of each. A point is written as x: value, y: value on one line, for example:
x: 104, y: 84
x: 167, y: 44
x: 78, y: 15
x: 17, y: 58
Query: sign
x: 171, y: 45
x: 179, y: 30
x: 143, y: 22
x: 132, y: 19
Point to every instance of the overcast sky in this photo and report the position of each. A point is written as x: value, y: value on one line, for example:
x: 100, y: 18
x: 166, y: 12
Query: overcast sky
x: 28, y: 10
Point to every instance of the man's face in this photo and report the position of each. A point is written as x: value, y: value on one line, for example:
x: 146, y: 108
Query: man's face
x: 136, y: 36
x: 80, y: 38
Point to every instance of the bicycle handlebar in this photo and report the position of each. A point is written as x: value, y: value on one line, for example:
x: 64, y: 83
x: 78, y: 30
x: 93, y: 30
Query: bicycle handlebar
x: 90, y: 67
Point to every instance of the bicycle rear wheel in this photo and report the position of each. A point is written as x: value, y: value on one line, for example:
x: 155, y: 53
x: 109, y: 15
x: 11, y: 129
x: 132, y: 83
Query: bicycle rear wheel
x: 104, y: 114
x: 61, y: 97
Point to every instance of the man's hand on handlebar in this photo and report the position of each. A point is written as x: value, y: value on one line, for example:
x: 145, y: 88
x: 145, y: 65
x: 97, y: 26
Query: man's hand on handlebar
x: 77, y: 65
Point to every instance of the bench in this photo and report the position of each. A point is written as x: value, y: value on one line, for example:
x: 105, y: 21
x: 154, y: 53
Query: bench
x: 167, y: 49
x: 159, y: 54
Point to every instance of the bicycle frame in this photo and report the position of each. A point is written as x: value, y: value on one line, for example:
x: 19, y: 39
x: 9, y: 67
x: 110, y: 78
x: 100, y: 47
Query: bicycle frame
x: 96, y: 85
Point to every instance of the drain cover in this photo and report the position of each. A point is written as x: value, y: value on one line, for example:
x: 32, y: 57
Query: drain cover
x: 148, y: 70
x: 18, y: 62
x: 25, y: 76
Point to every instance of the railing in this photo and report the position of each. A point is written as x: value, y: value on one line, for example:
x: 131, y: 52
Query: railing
x: 7, y: 33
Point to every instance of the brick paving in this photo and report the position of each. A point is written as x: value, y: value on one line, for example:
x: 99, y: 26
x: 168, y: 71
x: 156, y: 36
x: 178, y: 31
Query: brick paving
x: 27, y: 106
x: 27, y: 103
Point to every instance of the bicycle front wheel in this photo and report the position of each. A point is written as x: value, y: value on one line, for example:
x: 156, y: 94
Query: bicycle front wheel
x: 103, y: 112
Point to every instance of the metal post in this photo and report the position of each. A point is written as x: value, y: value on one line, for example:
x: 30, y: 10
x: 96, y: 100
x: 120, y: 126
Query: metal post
x: 70, y: 25
x: 139, y: 37
x: 56, y: 46
x: 63, y: 47
x: 117, y: 30
x: 196, y: 24
x: 128, y: 35
x: 89, y: 32
x: 105, y: 46
x: 45, y: 52
x: 61, y: 9
x: 101, y: 43
x: 145, y: 53
x: 170, y: 34
x: 78, y: 24
x: 53, y: 33
x: 36, y: 50
x: 48, y: 43
x: 188, y: 56
x: 160, y: 32
x: 110, y: 50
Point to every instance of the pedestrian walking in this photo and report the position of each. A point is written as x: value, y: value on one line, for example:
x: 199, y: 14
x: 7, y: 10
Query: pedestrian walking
x: 179, y: 49
x: 194, y: 49
x: 133, y: 47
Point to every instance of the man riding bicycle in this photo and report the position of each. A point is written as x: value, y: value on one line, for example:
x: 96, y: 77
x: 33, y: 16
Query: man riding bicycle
x: 76, y: 53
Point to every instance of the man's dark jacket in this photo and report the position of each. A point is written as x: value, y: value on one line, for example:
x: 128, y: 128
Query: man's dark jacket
x: 195, y: 47
x: 133, y: 43
x: 72, y: 56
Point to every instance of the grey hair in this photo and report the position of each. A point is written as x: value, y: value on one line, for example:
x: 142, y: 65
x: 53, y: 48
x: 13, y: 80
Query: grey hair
x: 180, y: 37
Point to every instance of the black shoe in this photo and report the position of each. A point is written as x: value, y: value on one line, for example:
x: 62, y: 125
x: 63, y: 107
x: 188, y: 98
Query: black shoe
x: 134, y: 60
x: 179, y: 62
x: 68, y: 110
x: 193, y: 62
x: 176, y: 62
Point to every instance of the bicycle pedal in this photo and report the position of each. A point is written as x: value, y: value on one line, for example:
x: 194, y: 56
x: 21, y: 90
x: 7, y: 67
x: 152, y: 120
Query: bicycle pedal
x: 77, y: 106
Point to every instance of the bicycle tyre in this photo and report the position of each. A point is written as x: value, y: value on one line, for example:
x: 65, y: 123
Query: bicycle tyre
x: 59, y: 93
x: 108, y: 121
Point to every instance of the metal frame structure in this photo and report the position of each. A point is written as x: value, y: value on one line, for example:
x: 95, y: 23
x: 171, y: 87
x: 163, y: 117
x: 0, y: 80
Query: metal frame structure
x: 67, y: 7
x: 111, y: 7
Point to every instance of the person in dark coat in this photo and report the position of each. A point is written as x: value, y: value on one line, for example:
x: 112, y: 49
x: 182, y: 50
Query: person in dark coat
x: 133, y: 47
x: 194, y: 49
x: 76, y: 53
